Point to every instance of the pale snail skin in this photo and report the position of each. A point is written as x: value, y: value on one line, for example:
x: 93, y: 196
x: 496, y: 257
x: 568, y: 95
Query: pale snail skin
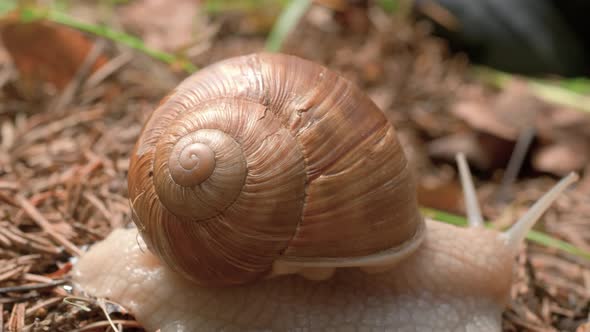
x: 441, y: 288
x: 458, y: 279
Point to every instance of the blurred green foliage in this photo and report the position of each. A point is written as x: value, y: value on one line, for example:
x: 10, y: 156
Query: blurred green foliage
x: 572, y: 93
x: 36, y: 12
x: 221, y: 6
x: 389, y: 6
x: 7, y: 6
x: 285, y: 23
x: 534, y: 236
x: 578, y: 85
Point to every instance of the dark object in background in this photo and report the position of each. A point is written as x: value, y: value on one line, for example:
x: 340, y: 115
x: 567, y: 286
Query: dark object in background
x: 522, y: 36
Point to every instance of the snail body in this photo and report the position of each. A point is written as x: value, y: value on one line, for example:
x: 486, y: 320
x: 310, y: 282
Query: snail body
x: 266, y: 164
x: 441, y: 287
x: 270, y: 166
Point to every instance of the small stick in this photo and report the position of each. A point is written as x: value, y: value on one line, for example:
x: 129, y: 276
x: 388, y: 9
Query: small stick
x: 7, y: 266
x: 46, y: 226
x: 107, y: 69
x: 102, y: 305
x: 43, y: 304
x: 30, y: 287
x: 13, y: 273
x: 99, y: 205
x: 36, y: 278
x: 24, y: 298
x: 66, y: 97
x: 100, y: 302
x: 4, y: 240
x: 21, y: 239
x: 57, y: 126
x: 9, y: 185
x: 16, y: 322
x: 105, y: 323
x: 7, y: 199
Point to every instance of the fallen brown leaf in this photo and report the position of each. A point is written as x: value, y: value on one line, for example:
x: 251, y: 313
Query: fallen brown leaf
x: 562, y: 157
x: 44, y: 52
x: 164, y: 26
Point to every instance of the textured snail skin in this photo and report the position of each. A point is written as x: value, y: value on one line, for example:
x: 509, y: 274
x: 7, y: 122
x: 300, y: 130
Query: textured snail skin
x: 445, y: 286
x: 269, y: 157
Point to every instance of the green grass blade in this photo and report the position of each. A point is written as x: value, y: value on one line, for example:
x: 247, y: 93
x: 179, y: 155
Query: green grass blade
x: 32, y: 13
x: 564, y: 92
x: 449, y: 218
x: 7, y: 6
x: 561, y: 96
x: 389, y: 6
x: 552, y: 242
x: 534, y: 236
x: 579, y: 85
x: 286, y: 22
x: 214, y: 7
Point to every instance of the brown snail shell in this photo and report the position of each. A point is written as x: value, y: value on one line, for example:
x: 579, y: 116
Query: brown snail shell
x: 270, y: 158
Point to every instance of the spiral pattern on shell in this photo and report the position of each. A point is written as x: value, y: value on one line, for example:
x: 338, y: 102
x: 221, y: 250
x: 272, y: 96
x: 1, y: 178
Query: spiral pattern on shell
x: 268, y: 156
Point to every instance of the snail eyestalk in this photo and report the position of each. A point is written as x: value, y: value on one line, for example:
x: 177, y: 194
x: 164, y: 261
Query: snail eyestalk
x: 516, y: 234
x: 471, y: 205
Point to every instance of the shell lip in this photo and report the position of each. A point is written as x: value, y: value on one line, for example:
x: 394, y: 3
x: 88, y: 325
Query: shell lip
x: 386, y: 257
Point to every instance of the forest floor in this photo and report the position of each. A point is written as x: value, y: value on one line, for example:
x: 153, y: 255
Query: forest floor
x: 72, y: 106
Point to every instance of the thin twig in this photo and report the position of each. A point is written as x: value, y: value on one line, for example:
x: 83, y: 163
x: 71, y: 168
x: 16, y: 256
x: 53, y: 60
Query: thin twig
x: 24, y: 240
x: 107, y: 69
x: 13, y: 273
x: 30, y: 287
x: 16, y: 322
x: 9, y: 185
x: 4, y: 241
x: 20, y: 299
x: 515, y: 163
x: 92, y: 326
x: 78, y: 302
x: 98, y: 204
x: 58, y: 126
x: 43, y: 304
x: 66, y: 97
x: 101, y: 304
x: 46, y: 226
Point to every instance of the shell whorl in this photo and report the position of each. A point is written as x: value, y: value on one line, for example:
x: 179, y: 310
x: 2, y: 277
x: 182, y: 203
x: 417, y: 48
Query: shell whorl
x: 268, y: 156
x: 212, y: 175
x: 191, y: 162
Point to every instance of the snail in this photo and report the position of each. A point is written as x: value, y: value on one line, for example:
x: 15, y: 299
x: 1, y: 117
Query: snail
x: 262, y: 171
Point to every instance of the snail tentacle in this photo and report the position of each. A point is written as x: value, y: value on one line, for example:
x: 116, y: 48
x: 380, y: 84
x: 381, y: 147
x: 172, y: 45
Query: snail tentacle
x: 515, y: 236
x: 471, y: 204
